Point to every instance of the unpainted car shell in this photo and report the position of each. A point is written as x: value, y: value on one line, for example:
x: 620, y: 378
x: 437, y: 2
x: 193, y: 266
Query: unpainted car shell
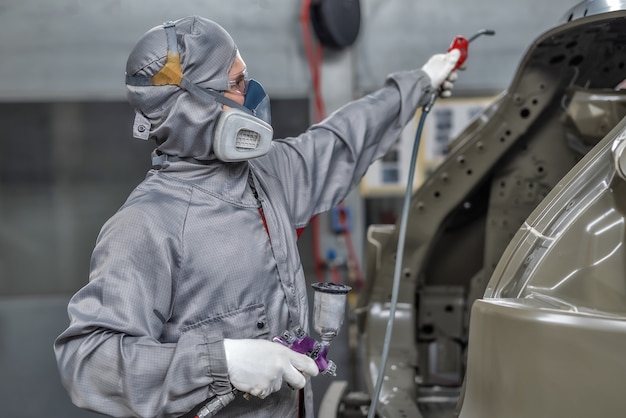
x: 560, y: 103
x: 549, y: 337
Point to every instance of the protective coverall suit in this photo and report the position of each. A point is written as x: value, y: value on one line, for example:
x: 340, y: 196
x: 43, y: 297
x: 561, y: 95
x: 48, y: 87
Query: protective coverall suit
x: 188, y: 260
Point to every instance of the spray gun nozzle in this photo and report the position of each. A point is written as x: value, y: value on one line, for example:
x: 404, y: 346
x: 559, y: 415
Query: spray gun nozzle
x: 489, y: 32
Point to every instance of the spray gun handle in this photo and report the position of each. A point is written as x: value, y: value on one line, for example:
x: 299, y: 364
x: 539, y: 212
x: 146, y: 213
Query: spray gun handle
x: 462, y: 44
x: 298, y: 341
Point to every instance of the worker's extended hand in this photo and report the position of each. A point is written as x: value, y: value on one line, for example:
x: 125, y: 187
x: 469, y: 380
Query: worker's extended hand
x: 258, y: 367
x: 440, y: 69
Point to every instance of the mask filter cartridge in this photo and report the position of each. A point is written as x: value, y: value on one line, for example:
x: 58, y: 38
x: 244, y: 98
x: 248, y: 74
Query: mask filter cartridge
x: 247, y: 140
x: 240, y: 136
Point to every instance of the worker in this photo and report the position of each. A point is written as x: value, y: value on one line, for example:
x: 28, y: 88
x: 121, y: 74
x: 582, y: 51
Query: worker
x: 199, y: 268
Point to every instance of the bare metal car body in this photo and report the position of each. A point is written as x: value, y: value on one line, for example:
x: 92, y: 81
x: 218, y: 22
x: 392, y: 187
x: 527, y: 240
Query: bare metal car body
x: 512, y: 297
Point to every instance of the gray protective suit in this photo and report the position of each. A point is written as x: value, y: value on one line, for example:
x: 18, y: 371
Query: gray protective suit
x: 187, y: 261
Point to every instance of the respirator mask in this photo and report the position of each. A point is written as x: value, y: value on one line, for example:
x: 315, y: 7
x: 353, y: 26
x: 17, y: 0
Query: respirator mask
x: 242, y: 132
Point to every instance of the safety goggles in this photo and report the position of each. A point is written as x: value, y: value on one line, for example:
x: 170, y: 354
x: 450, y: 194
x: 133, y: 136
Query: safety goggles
x: 239, y: 83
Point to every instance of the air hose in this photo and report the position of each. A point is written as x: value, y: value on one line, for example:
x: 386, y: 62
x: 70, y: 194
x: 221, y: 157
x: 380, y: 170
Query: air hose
x: 399, y: 256
x: 462, y: 44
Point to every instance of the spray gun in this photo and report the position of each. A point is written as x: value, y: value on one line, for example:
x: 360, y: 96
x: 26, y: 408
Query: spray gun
x: 329, y: 304
x: 462, y: 44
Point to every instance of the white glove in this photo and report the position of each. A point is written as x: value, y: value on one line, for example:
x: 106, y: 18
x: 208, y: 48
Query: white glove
x: 258, y: 367
x: 440, y: 68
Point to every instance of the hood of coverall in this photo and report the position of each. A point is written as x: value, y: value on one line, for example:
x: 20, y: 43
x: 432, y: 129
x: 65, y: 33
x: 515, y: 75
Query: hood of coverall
x: 181, y: 124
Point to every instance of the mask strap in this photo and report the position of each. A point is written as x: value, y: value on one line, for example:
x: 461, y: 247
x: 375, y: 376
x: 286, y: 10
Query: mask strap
x: 211, y: 95
x: 171, y: 74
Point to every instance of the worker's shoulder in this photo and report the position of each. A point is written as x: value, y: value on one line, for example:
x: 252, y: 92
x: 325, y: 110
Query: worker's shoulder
x: 152, y: 203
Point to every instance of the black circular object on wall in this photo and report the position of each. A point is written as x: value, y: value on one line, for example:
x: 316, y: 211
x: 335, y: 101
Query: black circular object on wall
x: 336, y: 22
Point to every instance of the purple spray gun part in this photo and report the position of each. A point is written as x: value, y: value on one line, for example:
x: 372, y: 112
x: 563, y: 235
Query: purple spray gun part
x: 298, y: 341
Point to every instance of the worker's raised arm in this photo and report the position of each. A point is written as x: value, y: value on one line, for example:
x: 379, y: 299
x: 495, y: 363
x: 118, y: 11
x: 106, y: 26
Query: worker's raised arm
x: 321, y: 166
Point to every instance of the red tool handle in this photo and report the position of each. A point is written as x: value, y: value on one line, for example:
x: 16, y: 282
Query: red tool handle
x: 462, y: 45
